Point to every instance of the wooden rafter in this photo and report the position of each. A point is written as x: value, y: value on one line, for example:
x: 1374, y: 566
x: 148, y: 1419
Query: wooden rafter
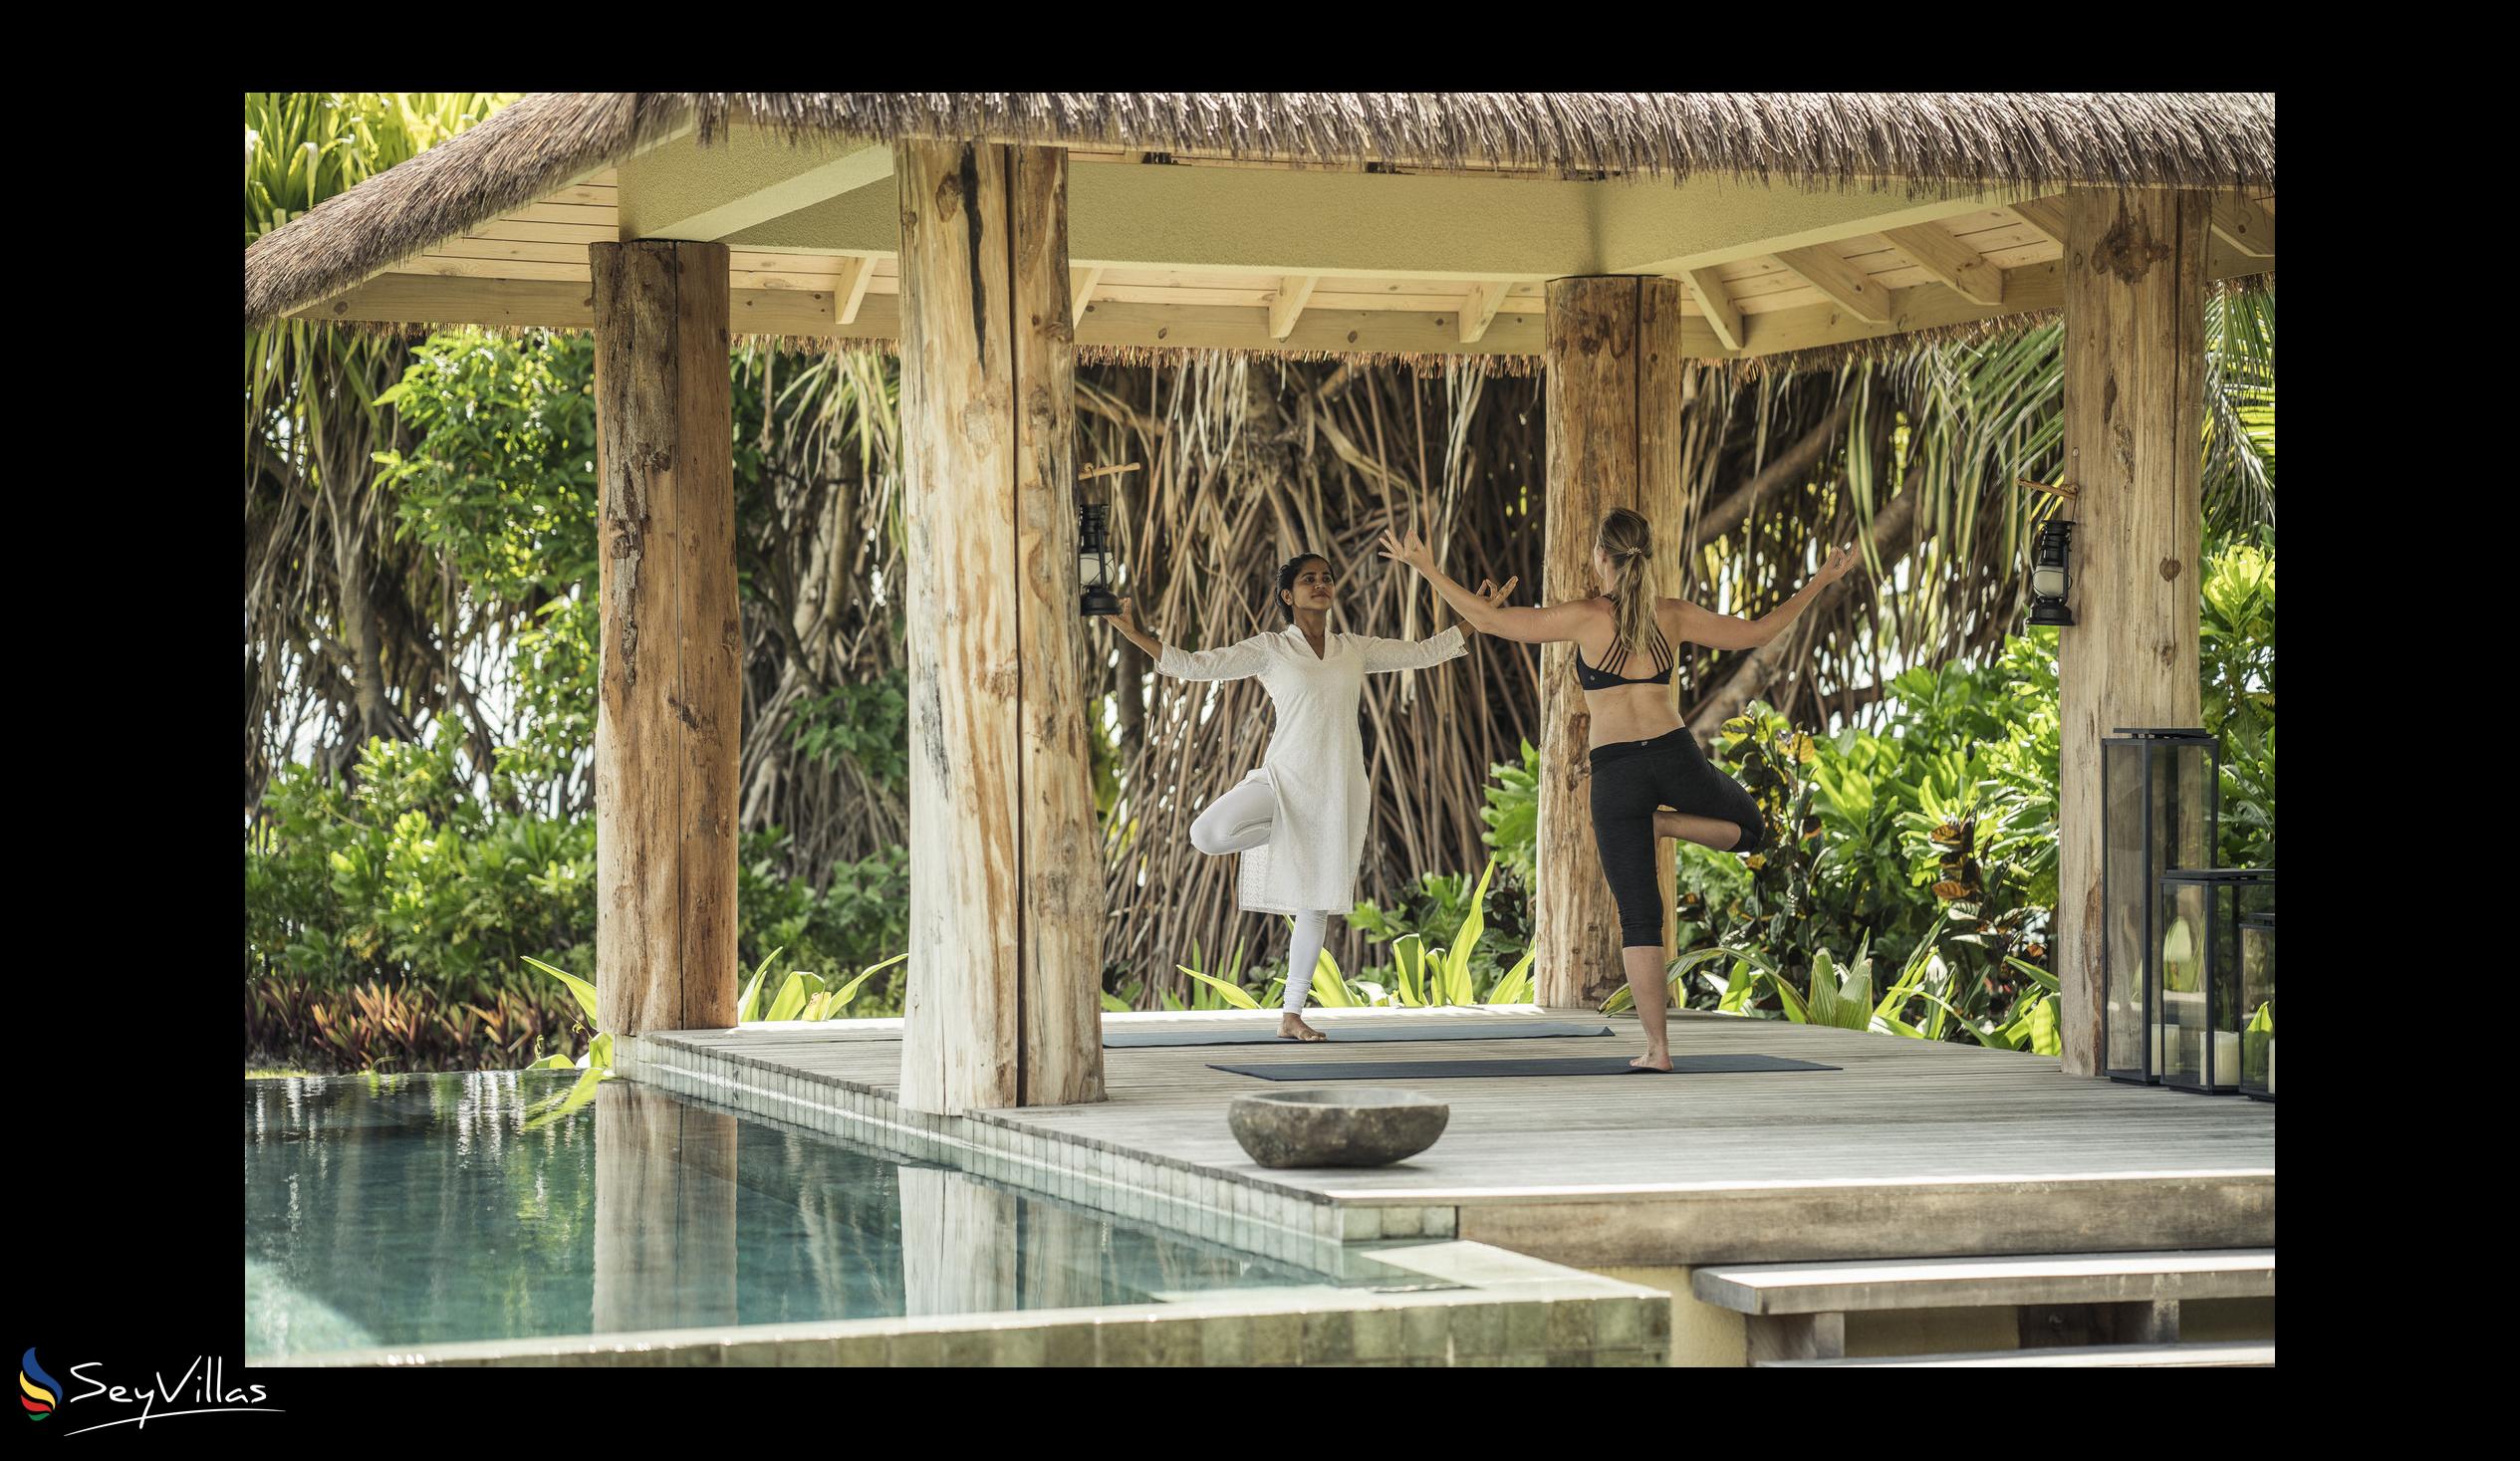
x: 2044, y: 214
x: 1937, y: 252
x: 1080, y: 284
x: 1478, y: 308
x: 1822, y: 269
x: 1717, y: 305
x: 850, y: 291
x: 1287, y: 306
x: 2244, y: 225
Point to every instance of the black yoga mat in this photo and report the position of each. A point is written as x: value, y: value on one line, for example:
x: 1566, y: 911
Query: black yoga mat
x: 1342, y: 1033
x: 1702, y: 1065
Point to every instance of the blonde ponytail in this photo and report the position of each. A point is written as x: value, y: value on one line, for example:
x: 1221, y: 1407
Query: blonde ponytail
x: 1627, y: 539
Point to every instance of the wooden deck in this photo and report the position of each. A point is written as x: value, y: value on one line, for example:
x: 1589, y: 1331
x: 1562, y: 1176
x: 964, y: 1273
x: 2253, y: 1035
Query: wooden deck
x: 1912, y: 1150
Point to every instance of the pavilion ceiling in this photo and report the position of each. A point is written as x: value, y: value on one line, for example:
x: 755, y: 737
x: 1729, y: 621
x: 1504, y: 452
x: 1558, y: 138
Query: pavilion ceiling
x: 1215, y: 253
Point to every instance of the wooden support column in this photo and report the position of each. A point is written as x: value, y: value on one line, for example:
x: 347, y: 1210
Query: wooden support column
x: 1006, y: 893
x: 2134, y: 382
x: 1615, y: 382
x: 668, y: 718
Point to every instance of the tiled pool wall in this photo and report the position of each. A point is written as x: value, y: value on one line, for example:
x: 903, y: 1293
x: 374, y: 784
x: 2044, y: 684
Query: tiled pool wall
x: 1522, y: 1311
x: 1285, y: 1223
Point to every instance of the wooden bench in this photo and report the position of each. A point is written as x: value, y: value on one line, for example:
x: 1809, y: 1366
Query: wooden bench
x: 1797, y: 1310
x: 2235, y: 1354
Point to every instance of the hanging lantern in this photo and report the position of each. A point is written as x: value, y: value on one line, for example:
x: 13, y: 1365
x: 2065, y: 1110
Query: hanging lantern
x: 2158, y: 794
x: 2050, y: 574
x: 1094, y: 560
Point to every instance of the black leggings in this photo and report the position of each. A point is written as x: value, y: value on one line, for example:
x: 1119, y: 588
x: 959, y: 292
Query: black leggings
x: 1630, y: 779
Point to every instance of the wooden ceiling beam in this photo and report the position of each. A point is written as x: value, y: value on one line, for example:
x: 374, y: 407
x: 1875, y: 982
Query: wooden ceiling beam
x: 849, y: 294
x: 2244, y: 225
x: 1957, y: 265
x: 1515, y: 329
x: 2044, y: 214
x: 1080, y: 284
x: 1478, y: 308
x: 1287, y: 306
x: 1820, y: 267
x: 1717, y: 305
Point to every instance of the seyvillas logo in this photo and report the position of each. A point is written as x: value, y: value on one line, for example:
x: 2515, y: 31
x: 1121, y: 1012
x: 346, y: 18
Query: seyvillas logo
x: 201, y: 1389
x: 41, y: 1391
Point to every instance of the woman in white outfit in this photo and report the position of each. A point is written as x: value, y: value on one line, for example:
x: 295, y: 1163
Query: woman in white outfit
x: 1299, y: 819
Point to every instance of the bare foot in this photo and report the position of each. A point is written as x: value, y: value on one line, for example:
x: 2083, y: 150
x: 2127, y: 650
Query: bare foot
x: 1652, y: 1060
x: 1291, y: 1025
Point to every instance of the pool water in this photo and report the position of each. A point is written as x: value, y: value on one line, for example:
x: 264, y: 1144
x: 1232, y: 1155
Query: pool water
x: 403, y: 1210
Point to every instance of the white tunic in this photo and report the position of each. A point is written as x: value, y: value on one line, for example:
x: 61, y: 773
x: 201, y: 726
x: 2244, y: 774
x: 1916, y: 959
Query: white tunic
x: 1315, y: 764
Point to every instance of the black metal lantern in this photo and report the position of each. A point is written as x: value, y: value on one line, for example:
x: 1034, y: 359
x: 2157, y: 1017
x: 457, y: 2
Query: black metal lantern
x: 2159, y: 795
x: 2198, y: 1006
x: 2257, y: 1002
x: 2050, y: 574
x: 1094, y: 560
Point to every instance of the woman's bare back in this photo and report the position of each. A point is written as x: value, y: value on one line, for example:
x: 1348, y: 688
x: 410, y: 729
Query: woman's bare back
x: 1629, y: 712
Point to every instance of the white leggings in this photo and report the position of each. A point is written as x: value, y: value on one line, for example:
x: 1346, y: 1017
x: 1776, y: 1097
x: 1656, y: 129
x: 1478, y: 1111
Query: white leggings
x: 1237, y: 821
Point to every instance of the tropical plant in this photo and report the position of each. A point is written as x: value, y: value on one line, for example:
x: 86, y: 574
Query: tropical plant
x: 2236, y: 650
x: 337, y: 605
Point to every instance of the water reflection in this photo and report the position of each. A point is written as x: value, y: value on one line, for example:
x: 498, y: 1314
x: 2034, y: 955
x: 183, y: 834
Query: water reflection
x: 420, y: 1209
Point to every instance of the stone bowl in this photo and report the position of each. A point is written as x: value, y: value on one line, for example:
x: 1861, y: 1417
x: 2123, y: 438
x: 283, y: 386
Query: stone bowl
x: 1336, y: 1126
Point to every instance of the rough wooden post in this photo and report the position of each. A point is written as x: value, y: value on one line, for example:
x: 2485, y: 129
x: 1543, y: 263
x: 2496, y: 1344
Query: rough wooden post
x: 1613, y: 391
x: 1004, y: 970
x: 669, y: 719
x: 1061, y: 969
x: 2135, y: 372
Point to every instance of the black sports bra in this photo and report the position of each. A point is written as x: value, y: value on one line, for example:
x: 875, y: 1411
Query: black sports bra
x: 1608, y: 676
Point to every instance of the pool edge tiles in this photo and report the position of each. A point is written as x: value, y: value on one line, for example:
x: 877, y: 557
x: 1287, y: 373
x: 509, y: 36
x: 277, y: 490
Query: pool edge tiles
x: 1512, y: 1310
x: 1306, y: 1229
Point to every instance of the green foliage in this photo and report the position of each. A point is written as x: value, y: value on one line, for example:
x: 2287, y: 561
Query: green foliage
x: 868, y: 723
x: 2236, y: 652
x: 1486, y: 930
x: 1512, y: 813
x: 502, y: 485
x: 404, y: 885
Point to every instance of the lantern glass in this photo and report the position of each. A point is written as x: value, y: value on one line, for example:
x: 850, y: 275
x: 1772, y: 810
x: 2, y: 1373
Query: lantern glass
x: 2257, y: 1005
x: 2157, y: 791
x: 1094, y: 560
x: 2198, y: 1007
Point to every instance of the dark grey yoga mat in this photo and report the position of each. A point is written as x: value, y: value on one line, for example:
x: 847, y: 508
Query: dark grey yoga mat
x: 1342, y: 1033
x: 1700, y: 1064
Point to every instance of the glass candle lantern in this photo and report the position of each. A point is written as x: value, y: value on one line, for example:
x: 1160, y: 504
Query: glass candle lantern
x: 1094, y: 560
x: 2197, y: 1005
x: 2257, y: 1004
x: 2158, y: 804
x: 2051, y: 574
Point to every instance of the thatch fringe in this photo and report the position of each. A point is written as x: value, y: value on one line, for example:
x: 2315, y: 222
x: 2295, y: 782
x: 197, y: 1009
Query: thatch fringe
x: 1926, y: 142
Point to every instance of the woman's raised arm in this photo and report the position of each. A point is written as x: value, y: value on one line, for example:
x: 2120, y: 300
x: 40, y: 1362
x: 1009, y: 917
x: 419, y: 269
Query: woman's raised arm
x: 1526, y: 626
x: 1726, y: 631
x: 1233, y: 662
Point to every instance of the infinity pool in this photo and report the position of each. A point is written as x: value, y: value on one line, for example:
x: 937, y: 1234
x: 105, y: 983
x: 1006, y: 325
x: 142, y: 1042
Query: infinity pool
x: 417, y: 1210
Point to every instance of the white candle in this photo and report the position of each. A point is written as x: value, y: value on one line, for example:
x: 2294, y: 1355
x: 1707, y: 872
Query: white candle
x: 2226, y: 1073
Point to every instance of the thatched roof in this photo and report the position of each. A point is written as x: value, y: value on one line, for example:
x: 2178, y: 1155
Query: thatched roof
x: 1928, y: 141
